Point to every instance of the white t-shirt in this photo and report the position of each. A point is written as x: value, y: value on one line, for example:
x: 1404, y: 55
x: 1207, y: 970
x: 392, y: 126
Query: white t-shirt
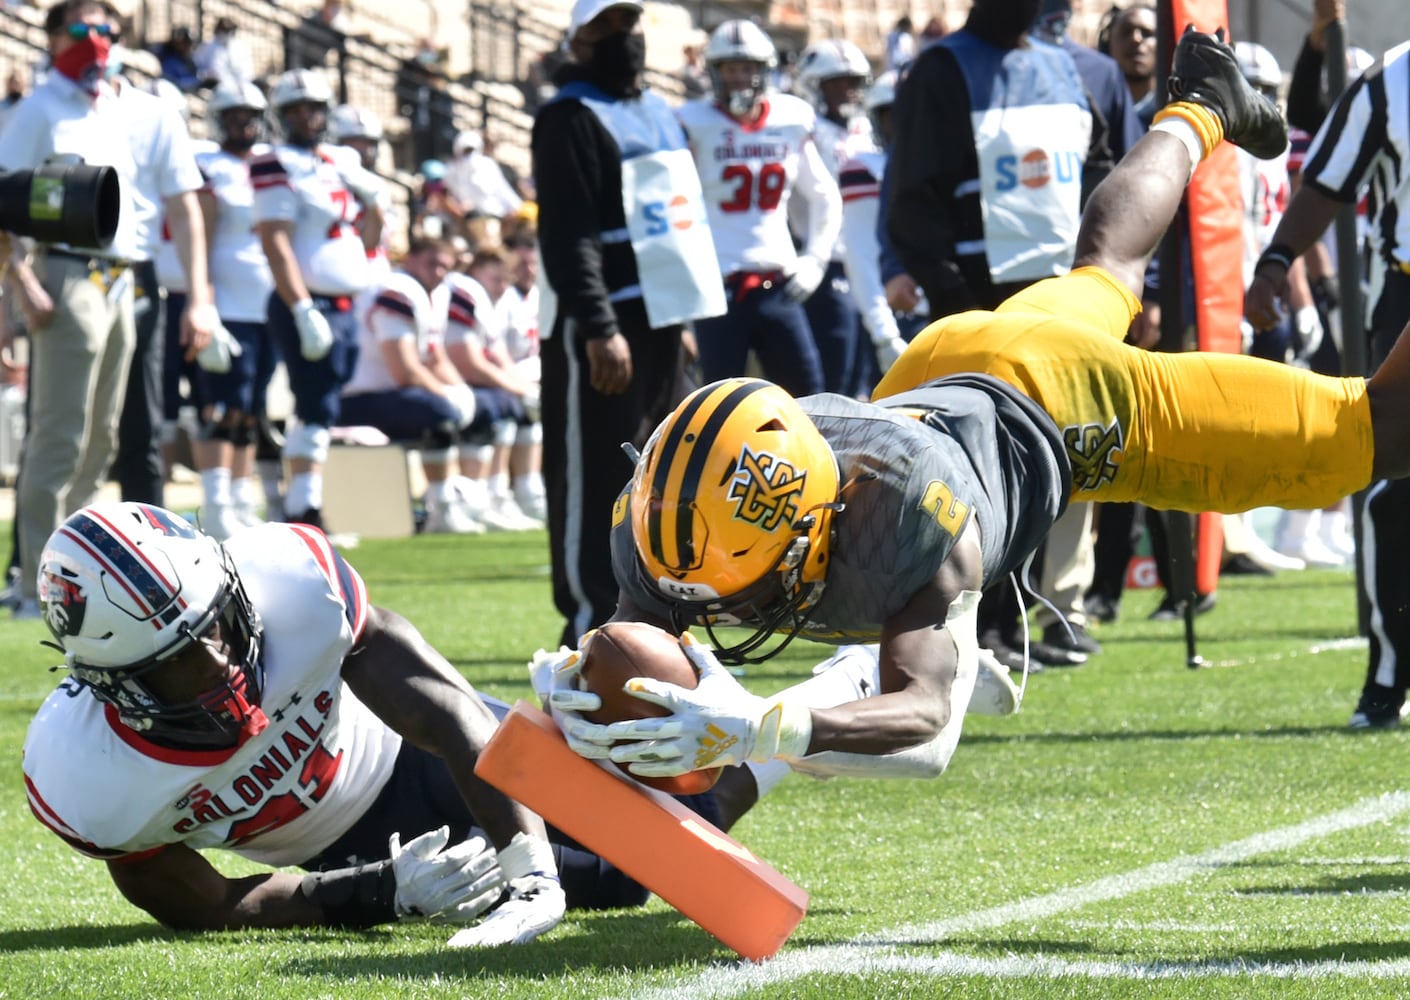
x: 306, y: 187
x: 60, y: 117
x: 748, y: 174
x: 279, y: 799
x: 395, y: 308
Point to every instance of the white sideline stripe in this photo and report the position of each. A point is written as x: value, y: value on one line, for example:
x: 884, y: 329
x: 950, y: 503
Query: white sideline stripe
x: 874, y: 953
x: 1324, y: 646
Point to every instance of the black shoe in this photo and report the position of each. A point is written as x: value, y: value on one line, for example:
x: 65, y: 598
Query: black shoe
x: 1072, y: 637
x: 1055, y: 656
x: 1171, y: 610
x: 1206, y: 72
x: 1379, y: 708
x: 1009, y: 656
x: 313, y: 516
x: 1242, y: 565
x: 1101, y: 609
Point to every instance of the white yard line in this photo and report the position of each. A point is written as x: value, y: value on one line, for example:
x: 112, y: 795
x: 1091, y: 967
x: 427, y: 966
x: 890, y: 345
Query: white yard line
x: 876, y: 953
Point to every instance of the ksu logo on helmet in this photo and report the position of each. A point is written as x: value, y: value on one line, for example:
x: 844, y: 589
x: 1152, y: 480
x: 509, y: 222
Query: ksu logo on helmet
x: 662, y: 216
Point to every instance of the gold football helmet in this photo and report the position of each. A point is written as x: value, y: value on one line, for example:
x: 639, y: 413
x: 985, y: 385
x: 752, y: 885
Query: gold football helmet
x: 731, y: 512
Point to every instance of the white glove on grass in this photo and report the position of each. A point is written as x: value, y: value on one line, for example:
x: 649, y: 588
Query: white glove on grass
x: 453, y: 884
x: 535, y: 902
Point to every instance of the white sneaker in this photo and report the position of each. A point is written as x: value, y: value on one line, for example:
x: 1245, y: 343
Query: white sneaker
x: 1272, y: 559
x: 247, y: 516
x: 496, y: 519
x: 220, y: 521
x: 534, y: 505
x: 451, y: 518
x: 511, y: 508
x: 1314, y: 552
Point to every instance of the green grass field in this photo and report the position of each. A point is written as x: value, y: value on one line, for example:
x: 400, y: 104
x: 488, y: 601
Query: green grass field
x: 1138, y: 830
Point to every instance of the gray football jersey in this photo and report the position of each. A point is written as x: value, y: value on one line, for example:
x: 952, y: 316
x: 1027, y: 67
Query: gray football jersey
x: 914, y: 469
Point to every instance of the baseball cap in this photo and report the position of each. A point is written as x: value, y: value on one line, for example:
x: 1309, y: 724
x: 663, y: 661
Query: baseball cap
x: 586, y: 10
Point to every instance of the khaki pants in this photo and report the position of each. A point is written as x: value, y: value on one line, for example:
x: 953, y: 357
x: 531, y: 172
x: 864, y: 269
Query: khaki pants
x: 78, y: 376
x: 1069, y: 563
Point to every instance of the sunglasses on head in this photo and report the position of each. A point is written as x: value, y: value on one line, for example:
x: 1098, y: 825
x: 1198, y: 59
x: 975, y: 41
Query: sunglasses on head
x: 80, y: 31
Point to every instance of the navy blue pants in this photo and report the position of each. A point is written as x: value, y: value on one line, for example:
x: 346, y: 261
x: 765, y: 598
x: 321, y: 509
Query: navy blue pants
x: 760, y: 317
x: 316, y: 385
x: 837, y: 330
x: 244, y: 387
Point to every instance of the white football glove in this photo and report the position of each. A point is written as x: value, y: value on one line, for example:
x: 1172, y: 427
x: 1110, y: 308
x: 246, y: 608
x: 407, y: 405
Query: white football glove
x: 462, y: 397
x: 535, y: 902
x: 887, y: 351
x: 216, y: 356
x: 315, y: 335
x: 364, y: 185
x: 453, y: 884
x: 555, y: 678
x: 804, y: 278
x: 716, y: 724
x: 1308, y: 323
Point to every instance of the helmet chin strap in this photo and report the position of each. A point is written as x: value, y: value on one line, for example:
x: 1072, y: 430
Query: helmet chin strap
x: 742, y: 102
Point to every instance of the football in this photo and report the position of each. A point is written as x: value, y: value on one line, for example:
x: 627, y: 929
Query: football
x: 619, y: 651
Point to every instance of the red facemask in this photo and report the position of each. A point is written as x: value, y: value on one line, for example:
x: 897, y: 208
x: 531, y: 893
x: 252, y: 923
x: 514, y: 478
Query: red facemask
x: 84, y: 61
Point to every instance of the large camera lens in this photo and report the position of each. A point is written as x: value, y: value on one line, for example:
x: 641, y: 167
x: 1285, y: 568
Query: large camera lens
x: 61, y: 201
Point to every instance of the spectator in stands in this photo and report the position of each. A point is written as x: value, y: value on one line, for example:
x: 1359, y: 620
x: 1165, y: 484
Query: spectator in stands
x: 933, y: 31
x: 225, y: 60
x: 694, y: 77
x: 16, y: 84
x: 434, y: 212
x: 422, y: 99
x: 478, y: 182
x: 178, y: 63
x: 320, y: 32
x: 901, y: 43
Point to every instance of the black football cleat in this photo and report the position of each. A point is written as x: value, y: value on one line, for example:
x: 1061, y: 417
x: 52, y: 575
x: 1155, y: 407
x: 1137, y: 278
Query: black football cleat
x: 1205, y: 72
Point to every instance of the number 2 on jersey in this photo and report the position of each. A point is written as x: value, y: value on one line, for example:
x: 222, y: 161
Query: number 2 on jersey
x: 764, y: 190
x: 939, y: 501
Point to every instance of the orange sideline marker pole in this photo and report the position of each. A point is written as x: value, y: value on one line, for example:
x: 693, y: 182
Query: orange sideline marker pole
x: 691, y: 864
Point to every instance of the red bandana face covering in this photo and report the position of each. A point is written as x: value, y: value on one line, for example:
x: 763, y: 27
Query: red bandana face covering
x: 83, y: 62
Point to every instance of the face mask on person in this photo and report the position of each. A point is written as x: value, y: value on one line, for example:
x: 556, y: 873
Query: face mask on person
x: 618, y: 62
x: 85, y: 61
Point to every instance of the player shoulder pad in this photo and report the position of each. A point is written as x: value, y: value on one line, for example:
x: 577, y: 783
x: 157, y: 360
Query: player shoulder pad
x: 268, y: 170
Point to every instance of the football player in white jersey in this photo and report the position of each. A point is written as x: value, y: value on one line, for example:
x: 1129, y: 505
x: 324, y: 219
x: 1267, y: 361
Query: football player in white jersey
x: 308, y: 197
x: 755, y: 151
x: 860, y: 183
x: 832, y: 76
x: 247, y: 696
x: 234, y: 393
x: 475, y: 342
x: 360, y: 130
x: 404, y: 384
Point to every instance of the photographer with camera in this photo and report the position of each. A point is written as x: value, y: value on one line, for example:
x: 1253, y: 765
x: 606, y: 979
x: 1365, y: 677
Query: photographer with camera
x: 77, y: 297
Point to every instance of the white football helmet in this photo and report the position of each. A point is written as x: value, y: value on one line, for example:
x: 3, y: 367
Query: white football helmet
x: 740, y: 41
x: 225, y: 97
x: 127, y: 588
x: 297, y: 85
x: 347, y: 121
x: 828, y: 60
x: 1260, y: 67
x: 880, y: 96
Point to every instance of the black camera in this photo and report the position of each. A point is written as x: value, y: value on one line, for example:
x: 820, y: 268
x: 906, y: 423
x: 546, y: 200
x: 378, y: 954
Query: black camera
x: 63, y: 200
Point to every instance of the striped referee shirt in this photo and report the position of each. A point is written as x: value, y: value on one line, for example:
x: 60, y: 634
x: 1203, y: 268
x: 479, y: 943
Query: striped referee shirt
x: 1364, y: 143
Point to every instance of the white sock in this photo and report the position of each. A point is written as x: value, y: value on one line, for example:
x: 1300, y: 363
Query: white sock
x: 215, y: 484
x: 305, y: 493
x: 528, y: 485
x: 245, y: 493
x: 499, y: 485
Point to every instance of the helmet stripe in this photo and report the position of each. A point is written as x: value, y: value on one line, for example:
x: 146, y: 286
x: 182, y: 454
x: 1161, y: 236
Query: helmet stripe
x: 123, y: 561
x: 695, y: 455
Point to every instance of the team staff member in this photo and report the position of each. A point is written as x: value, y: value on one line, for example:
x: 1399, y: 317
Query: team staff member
x: 846, y: 521
x: 308, y: 198
x: 609, y: 372
x: 80, y: 310
x: 1364, y: 140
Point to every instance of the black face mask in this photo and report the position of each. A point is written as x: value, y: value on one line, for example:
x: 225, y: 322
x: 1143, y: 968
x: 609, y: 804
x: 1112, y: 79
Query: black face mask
x: 618, y: 62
